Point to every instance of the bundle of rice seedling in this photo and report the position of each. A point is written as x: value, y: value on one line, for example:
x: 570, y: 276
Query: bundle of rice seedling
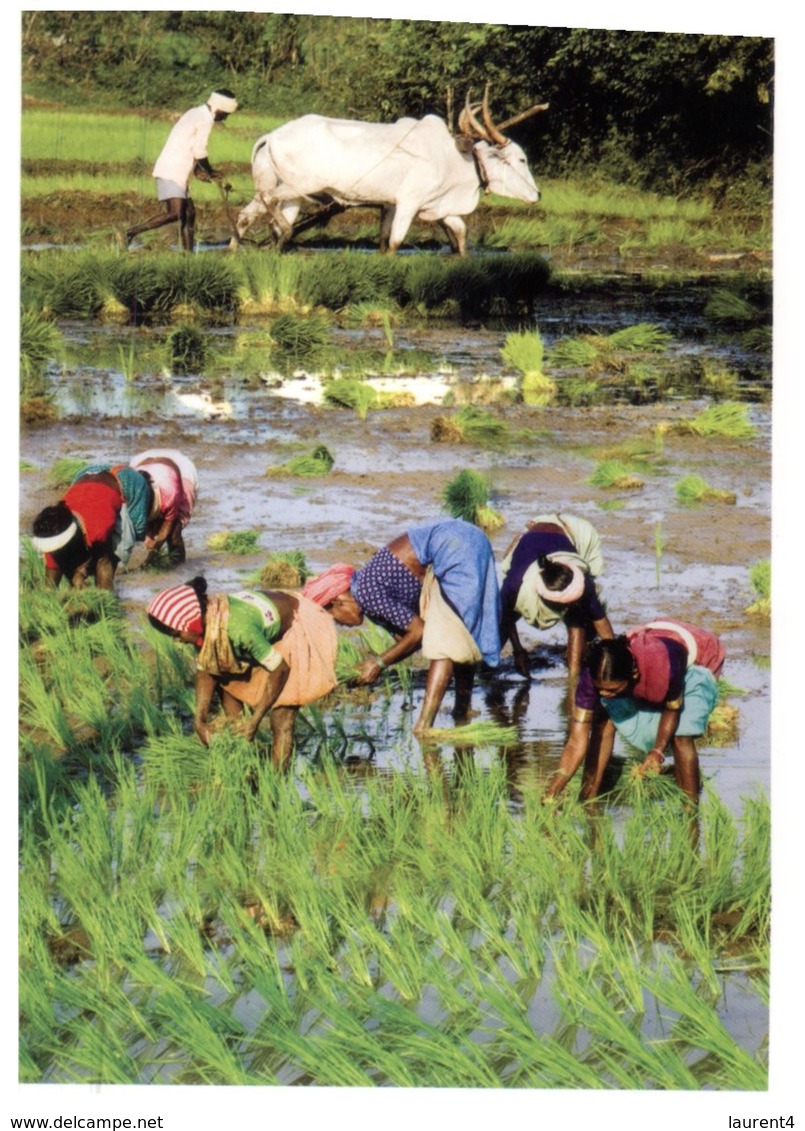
x: 62, y: 472
x: 444, y: 430
x: 467, y: 496
x: 644, y: 337
x: 300, y: 334
x: 719, y: 381
x: 319, y: 462
x: 614, y: 473
x: 693, y: 489
x: 474, y: 734
x: 284, y: 569
x: 187, y: 349
x: 525, y: 351
x: 351, y: 394
x: 722, y: 726
x: 234, y: 542
x: 729, y: 420
x: 726, y: 306
x: 470, y: 425
x: 575, y: 353
x: 760, y: 578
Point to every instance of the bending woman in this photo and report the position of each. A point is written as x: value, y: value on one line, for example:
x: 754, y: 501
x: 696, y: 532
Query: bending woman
x: 94, y: 526
x: 271, y: 651
x: 174, y: 480
x: 656, y: 686
x: 548, y: 576
x: 433, y: 587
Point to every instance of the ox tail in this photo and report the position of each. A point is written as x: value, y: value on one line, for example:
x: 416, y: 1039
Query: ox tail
x: 258, y: 145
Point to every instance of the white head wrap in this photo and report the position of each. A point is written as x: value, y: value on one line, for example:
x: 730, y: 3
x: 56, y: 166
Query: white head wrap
x: 223, y: 103
x: 571, y: 592
x: 55, y: 541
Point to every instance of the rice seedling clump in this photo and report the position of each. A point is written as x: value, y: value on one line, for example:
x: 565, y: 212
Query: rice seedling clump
x: 318, y: 462
x: 234, y: 541
x: 467, y: 496
x: 693, y: 489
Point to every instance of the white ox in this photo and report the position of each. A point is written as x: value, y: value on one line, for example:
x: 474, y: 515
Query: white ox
x: 413, y: 169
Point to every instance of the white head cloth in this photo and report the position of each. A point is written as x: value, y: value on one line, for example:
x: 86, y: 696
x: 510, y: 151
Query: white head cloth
x: 571, y: 592
x: 56, y: 541
x: 221, y: 102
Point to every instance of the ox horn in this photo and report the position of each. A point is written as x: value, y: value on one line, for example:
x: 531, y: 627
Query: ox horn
x: 522, y: 117
x: 493, y: 132
x: 468, y: 123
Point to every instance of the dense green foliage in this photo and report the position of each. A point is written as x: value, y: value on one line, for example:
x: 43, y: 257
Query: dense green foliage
x: 662, y: 108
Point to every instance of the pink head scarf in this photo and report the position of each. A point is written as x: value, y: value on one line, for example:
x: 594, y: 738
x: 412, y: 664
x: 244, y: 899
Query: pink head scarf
x: 329, y: 585
x: 178, y: 608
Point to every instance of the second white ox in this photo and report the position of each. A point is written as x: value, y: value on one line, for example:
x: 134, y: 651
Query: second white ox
x: 413, y: 169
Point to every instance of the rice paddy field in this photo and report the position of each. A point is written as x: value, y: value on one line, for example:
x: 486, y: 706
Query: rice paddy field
x: 393, y: 913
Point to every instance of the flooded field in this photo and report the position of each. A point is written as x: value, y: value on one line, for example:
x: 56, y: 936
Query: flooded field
x: 661, y: 558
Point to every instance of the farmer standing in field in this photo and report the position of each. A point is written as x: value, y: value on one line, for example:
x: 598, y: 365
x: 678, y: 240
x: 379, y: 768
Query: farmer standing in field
x: 269, y: 650
x: 548, y: 575
x: 433, y: 588
x: 657, y: 686
x: 184, y: 154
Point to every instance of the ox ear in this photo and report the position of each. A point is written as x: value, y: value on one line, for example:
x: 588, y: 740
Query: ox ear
x: 464, y: 144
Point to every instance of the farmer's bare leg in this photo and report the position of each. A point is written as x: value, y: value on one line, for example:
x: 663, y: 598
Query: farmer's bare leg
x: 686, y: 766
x: 233, y: 707
x: 465, y: 677
x: 187, y: 225
x: 439, y: 675
x: 104, y: 573
x: 282, y: 726
x: 599, y: 752
x: 174, y: 212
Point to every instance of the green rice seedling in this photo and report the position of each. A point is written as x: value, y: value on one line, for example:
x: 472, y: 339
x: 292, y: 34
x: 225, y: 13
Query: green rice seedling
x: 127, y: 361
x: 719, y: 381
x: 728, y: 307
x: 574, y: 353
x: 477, y: 426
x: 728, y: 420
x: 317, y: 463
x: 699, y: 1025
x: 760, y: 580
x: 234, y: 541
x: 40, y: 343
x: 63, y: 287
x: 348, y: 393
x: 467, y: 496
x: 524, y: 351
x: 758, y: 339
x: 209, y: 284
x: 692, y: 489
x: 342, y: 279
x: 368, y: 313
x: 486, y: 733
x: 577, y: 392
x: 300, y: 335
x: 613, y: 473
x: 63, y: 471
x: 644, y: 337
x: 186, y: 350
x: 284, y: 569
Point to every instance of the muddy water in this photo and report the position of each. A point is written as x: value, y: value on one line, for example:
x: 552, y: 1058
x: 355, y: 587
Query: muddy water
x: 388, y: 474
